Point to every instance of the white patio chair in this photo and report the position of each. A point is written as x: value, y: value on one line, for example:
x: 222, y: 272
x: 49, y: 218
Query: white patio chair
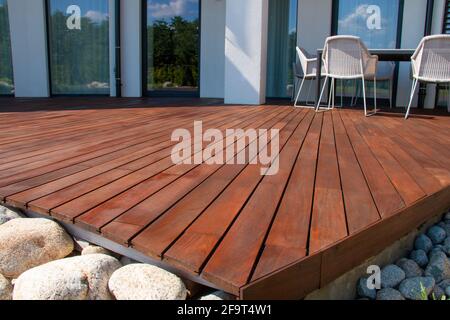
x: 385, y: 73
x: 308, y: 64
x: 346, y: 57
x: 430, y: 63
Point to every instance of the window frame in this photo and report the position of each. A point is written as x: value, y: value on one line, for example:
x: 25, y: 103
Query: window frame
x: 401, y: 7
x: 12, y: 94
x: 49, y: 67
x: 294, y: 53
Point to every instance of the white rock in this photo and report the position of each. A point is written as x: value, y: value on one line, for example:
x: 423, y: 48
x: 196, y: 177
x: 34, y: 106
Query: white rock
x: 77, y: 278
x: 5, y: 288
x: 7, y: 214
x: 80, y: 244
x: 27, y: 243
x: 95, y: 250
x: 146, y: 282
x: 217, y: 295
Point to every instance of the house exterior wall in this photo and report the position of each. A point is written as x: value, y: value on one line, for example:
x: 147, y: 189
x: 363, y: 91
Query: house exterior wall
x: 29, y: 47
x: 233, y: 46
x: 131, y: 48
x: 212, y: 52
x: 246, y: 51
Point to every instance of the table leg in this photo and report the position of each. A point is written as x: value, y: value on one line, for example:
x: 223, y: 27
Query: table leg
x: 318, y: 75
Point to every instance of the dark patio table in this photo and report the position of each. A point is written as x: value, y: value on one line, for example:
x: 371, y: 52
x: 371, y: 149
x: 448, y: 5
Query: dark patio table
x: 383, y: 55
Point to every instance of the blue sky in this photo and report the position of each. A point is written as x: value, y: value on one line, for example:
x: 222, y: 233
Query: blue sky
x: 166, y: 9
x: 96, y: 10
x: 353, y: 17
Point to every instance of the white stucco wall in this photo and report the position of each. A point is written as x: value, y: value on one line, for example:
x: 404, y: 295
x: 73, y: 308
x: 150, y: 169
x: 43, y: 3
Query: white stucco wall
x: 246, y: 51
x: 29, y: 47
x: 212, y: 55
x: 131, y: 44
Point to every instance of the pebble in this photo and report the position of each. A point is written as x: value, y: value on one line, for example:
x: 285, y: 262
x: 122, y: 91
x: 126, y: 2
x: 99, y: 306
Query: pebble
x: 391, y: 276
x: 389, y: 294
x: 412, y: 288
x: 423, y: 242
x: 436, y: 234
x: 420, y: 257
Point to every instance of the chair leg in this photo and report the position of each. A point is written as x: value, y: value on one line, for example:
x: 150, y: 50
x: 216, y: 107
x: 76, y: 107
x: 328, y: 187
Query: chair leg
x: 390, y: 93
x: 334, y: 93
x: 448, y: 97
x: 375, y: 94
x: 321, y: 93
x: 342, y: 92
x: 299, y: 91
x: 413, y: 90
x: 331, y: 95
x: 355, y: 97
x: 293, y: 90
x: 309, y: 93
x: 364, y: 96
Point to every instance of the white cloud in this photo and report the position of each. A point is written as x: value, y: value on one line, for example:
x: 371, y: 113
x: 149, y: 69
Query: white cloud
x: 96, y: 16
x: 173, y: 8
x: 352, y: 19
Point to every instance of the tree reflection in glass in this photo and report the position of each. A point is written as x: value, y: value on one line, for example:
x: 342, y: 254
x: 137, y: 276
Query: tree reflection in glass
x: 79, y: 46
x: 173, y: 45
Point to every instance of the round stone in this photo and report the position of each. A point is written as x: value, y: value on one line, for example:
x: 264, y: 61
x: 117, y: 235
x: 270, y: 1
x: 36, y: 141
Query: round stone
x: 418, y: 288
x: 446, y: 227
x: 423, y: 242
x: 391, y: 276
x: 78, y: 278
x: 438, y: 267
x: 389, y: 294
x: 446, y: 246
x: 95, y: 250
x: 363, y: 290
x: 410, y: 267
x: 146, y: 282
x: 27, y: 243
x: 217, y: 295
x: 5, y: 289
x: 420, y: 257
x: 447, y: 291
x: 437, y: 293
x: 446, y: 217
x: 444, y: 284
x: 7, y: 214
x: 437, y: 250
x: 436, y: 234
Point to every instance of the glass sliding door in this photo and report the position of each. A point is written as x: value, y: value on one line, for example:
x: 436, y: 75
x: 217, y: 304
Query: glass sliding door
x: 172, y: 45
x: 6, y: 71
x: 79, y: 46
x: 282, y: 39
x: 376, y: 22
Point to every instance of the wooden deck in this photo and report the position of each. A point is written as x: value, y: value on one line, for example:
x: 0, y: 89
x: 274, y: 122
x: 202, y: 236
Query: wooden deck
x: 347, y: 187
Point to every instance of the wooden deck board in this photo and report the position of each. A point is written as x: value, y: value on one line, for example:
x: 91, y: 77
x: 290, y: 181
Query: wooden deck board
x: 104, y: 164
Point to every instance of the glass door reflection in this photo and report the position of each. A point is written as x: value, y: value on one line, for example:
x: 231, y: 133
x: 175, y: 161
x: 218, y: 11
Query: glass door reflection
x: 172, y: 47
x: 6, y: 71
